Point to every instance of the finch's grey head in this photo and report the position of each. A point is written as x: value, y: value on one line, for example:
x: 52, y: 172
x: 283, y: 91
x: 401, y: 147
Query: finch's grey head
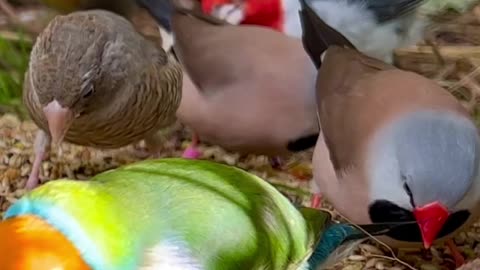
x: 424, y: 167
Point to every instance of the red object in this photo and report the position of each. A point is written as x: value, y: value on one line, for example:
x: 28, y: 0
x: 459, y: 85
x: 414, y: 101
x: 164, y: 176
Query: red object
x: 430, y: 219
x: 267, y: 13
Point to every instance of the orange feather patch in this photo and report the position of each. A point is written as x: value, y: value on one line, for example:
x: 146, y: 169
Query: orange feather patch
x: 29, y: 243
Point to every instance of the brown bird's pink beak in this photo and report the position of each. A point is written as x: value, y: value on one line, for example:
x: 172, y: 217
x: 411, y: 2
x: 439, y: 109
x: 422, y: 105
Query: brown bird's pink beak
x: 430, y: 219
x: 59, y: 120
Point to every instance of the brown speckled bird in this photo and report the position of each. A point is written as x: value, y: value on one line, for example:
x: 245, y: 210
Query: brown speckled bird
x: 94, y: 81
x: 249, y: 89
x: 394, y: 145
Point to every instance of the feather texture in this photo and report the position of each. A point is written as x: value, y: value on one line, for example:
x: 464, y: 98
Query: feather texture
x: 115, y: 228
x: 95, y: 81
x: 137, y: 86
x: 412, y: 139
x: 229, y: 67
x: 191, y: 215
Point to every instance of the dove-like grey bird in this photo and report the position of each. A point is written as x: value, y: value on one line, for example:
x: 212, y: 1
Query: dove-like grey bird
x: 394, y: 145
x: 93, y: 80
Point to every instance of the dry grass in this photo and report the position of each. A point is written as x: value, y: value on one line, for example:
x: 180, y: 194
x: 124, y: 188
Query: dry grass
x: 450, y: 55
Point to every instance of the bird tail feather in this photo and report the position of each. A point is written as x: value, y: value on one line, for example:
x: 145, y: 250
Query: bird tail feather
x: 337, y: 240
x: 343, y: 251
x: 160, y: 10
x: 332, y: 245
x: 331, y: 239
x: 163, y: 10
x: 386, y: 11
x: 318, y: 35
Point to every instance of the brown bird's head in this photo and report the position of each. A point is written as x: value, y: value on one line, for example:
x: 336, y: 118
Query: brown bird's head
x: 80, y: 63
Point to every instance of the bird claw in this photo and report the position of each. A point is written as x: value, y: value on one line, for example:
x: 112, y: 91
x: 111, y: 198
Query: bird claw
x: 191, y: 153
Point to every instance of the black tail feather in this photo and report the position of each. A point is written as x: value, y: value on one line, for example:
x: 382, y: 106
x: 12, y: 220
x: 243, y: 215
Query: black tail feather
x: 302, y: 143
x: 163, y: 11
x: 389, y: 10
x: 160, y: 10
x: 318, y: 35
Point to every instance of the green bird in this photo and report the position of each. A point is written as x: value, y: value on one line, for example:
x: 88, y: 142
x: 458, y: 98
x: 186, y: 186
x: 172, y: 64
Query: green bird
x: 166, y: 214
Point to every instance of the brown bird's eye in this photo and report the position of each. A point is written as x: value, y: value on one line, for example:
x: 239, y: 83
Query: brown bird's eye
x: 88, y: 93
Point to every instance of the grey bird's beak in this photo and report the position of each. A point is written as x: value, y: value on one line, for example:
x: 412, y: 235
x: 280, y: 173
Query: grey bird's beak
x: 59, y: 120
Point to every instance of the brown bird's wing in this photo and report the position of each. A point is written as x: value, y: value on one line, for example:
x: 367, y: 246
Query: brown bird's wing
x: 145, y: 24
x: 210, y: 46
x: 246, y: 78
x: 199, y: 47
x: 338, y: 74
x: 338, y: 85
x: 357, y: 95
x: 30, y: 100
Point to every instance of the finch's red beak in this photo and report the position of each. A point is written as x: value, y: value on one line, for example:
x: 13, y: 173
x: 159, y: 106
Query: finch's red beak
x: 431, y: 218
x: 59, y: 120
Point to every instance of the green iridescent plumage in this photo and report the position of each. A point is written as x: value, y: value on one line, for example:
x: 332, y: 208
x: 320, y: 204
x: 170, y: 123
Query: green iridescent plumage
x: 214, y: 216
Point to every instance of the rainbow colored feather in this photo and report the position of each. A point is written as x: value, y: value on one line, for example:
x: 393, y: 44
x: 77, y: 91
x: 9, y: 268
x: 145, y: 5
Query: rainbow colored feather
x: 211, y: 216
